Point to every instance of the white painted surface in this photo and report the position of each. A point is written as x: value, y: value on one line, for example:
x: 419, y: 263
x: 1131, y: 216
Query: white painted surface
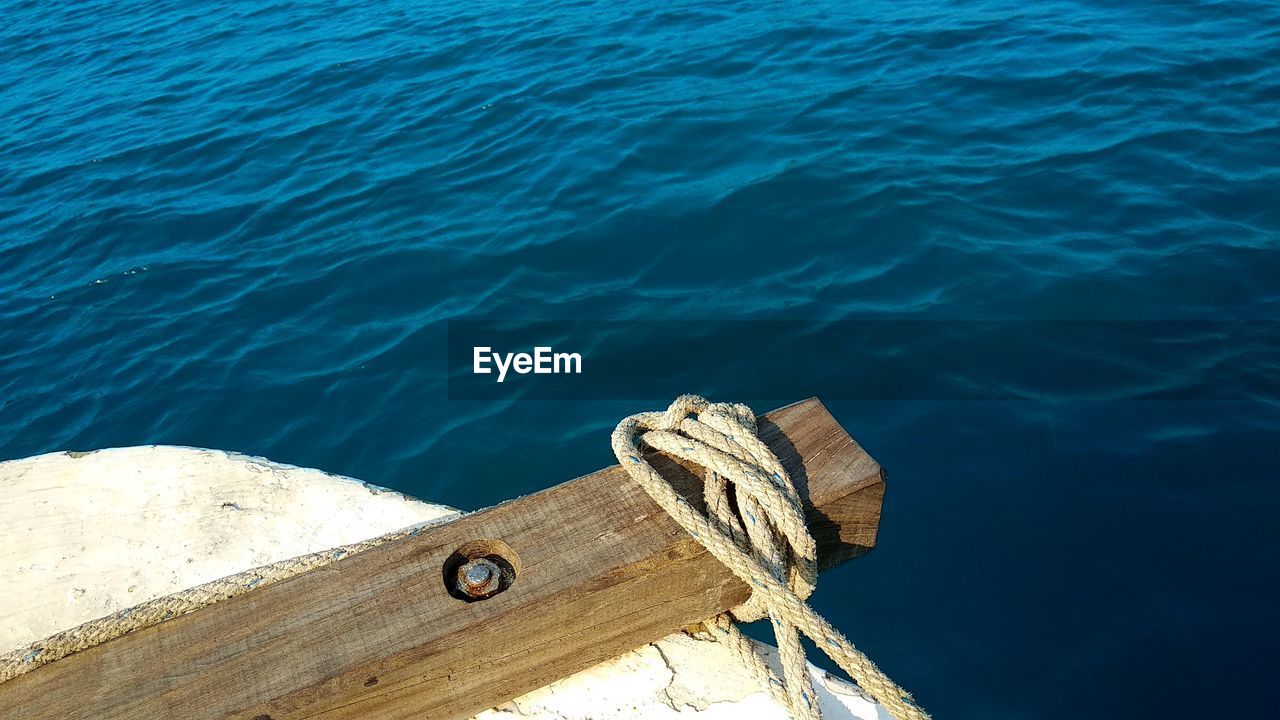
x: 84, y: 535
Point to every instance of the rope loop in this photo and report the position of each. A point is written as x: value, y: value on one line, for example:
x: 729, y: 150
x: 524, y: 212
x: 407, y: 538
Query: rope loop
x: 759, y: 534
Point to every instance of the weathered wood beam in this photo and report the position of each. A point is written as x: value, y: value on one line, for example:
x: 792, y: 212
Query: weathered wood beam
x: 600, y: 570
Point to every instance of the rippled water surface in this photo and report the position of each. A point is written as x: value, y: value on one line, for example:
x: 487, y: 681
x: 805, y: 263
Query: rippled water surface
x: 245, y: 225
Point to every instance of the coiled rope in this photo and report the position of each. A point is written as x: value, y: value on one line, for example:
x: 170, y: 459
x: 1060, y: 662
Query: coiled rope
x: 773, y: 552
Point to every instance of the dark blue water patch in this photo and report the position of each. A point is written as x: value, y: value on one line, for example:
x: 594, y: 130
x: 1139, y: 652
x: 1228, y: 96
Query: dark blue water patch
x: 248, y: 226
x: 1095, y: 556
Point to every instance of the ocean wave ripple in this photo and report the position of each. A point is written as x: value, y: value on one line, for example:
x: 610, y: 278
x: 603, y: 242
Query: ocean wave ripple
x: 244, y: 225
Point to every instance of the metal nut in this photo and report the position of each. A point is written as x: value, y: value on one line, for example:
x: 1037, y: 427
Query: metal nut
x: 479, y: 578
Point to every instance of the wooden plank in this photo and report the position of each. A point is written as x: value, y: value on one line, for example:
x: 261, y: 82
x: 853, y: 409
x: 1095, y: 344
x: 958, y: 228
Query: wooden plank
x: 601, y: 570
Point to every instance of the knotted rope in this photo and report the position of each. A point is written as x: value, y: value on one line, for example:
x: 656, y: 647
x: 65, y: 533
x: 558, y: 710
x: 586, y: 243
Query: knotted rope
x: 773, y: 552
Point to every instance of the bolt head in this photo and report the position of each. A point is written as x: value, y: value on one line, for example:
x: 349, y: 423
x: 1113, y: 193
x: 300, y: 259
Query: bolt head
x: 478, y: 574
x: 479, y: 578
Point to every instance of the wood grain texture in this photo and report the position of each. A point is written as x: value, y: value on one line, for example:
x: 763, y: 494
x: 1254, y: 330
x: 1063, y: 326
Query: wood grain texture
x: 602, y: 571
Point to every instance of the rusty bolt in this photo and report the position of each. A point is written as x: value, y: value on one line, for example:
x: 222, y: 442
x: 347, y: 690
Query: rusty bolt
x: 479, y: 578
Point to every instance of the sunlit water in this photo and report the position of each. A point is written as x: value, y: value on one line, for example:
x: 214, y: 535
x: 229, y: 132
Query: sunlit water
x: 244, y: 225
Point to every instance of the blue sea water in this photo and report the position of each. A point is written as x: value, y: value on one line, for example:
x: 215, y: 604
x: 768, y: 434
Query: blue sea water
x: 246, y: 226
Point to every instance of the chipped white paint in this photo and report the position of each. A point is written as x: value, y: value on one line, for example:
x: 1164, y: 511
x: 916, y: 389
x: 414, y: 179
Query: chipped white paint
x: 678, y: 677
x: 85, y: 534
